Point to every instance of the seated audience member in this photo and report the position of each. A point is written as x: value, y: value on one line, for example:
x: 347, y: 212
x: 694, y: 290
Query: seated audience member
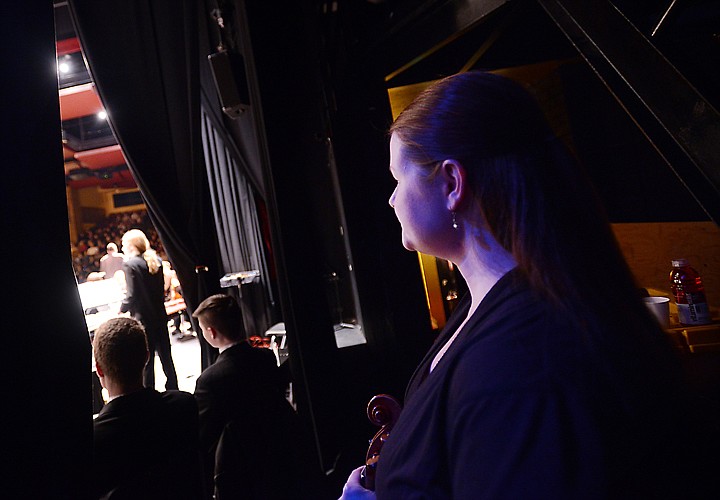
x: 249, y: 434
x: 145, y: 442
x: 173, y: 291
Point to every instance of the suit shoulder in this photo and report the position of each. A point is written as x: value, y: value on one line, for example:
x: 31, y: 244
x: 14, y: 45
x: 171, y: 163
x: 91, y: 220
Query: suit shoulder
x: 261, y: 357
x: 173, y: 397
x: 179, y: 403
x: 212, y: 373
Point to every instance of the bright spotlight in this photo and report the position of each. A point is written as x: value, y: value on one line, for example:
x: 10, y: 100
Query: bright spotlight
x: 102, y: 115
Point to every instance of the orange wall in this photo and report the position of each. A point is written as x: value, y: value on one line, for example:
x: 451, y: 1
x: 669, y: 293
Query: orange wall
x: 649, y: 248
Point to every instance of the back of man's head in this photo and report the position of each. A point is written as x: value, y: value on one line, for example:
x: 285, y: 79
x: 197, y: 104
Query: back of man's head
x: 222, y: 313
x: 120, y: 348
x: 111, y: 248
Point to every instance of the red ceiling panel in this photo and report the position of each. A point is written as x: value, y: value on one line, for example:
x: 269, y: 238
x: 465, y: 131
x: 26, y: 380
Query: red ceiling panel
x: 109, y: 156
x: 67, y: 46
x: 122, y: 179
x: 80, y: 100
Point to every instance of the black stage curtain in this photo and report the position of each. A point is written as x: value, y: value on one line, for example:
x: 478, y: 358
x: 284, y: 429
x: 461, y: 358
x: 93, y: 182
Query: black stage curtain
x: 46, y: 432
x: 235, y: 176
x: 144, y: 59
x: 238, y: 226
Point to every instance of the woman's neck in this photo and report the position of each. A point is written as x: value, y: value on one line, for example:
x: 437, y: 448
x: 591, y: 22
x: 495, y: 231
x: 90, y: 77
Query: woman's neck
x: 482, y: 265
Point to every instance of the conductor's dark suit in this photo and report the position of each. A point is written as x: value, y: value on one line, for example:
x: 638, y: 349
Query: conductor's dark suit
x: 241, y: 389
x: 146, y: 446
x: 144, y: 299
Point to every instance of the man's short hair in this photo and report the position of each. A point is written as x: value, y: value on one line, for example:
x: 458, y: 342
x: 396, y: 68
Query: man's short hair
x: 111, y: 247
x: 223, y: 313
x: 120, y: 348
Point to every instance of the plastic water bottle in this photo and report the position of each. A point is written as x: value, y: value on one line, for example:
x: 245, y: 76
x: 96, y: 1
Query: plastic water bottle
x: 687, y: 288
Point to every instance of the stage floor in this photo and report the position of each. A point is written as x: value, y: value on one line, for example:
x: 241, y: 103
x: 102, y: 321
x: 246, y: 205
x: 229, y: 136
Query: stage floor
x: 186, y: 357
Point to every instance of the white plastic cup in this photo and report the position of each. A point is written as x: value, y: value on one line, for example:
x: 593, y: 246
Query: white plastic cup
x: 660, y: 307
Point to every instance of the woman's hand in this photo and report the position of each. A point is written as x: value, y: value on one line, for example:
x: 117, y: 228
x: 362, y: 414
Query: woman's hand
x: 353, y: 490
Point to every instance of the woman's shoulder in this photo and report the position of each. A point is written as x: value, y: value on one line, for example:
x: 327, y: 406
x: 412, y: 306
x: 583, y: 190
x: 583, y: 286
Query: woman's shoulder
x: 520, y: 343
x: 512, y: 315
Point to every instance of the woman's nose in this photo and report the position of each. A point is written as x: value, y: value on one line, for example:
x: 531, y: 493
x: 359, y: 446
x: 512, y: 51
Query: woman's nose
x: 391, y: 201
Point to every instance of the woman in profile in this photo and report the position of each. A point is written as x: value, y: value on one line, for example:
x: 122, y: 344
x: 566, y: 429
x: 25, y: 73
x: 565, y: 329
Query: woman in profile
x: 551, y: 379
x: 144, y: 300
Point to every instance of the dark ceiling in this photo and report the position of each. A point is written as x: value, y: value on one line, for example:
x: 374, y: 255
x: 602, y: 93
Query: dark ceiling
x: 686, y: 32
x: 657, y: 59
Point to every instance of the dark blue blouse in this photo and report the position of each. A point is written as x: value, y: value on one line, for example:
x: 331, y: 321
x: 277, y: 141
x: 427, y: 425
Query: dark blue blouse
x: 523, y: 406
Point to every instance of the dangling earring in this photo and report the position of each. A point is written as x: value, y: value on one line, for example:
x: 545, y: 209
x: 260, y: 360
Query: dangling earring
x: 454, y: 220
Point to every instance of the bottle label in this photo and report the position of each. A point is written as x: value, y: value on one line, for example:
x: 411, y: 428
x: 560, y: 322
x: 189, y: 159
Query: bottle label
x: 695, y: 312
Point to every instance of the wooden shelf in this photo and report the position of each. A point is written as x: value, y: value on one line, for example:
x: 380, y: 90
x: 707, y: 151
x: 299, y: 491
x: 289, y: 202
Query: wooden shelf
x: 696, y: 339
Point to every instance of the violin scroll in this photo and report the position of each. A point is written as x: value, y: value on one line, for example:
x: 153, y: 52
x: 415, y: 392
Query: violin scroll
x: 382, y: 410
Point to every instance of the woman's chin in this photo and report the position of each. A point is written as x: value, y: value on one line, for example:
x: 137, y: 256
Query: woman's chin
x: 408, y: 245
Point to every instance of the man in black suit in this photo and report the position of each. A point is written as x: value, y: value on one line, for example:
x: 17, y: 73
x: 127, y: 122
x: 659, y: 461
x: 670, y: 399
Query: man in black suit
x: 244, y: 415
x: 145, y: 442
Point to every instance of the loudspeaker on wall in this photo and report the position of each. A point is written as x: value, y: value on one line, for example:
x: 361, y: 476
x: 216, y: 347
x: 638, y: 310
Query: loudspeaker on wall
x: 228, y: 71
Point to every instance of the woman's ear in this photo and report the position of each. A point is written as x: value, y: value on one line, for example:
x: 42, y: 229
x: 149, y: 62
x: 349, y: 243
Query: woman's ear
x: 456, y: 183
